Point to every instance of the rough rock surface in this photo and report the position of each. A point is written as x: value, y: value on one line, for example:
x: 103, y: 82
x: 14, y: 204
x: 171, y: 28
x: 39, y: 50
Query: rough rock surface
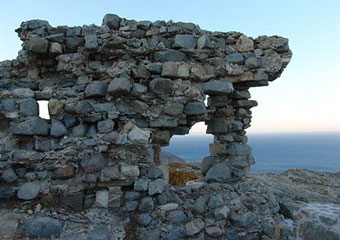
x: 117, y: 93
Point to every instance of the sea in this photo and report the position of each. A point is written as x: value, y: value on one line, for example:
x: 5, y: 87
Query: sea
x: 274, y: 153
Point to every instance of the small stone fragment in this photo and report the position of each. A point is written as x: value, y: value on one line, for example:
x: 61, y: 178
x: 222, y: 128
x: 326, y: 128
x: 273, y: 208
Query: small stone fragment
x: 195, y: 226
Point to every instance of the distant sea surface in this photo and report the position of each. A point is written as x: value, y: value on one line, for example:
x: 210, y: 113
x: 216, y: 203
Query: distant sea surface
x: 274, y: 153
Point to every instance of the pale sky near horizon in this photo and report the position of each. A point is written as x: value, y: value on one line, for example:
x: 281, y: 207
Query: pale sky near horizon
x: 305, y: 98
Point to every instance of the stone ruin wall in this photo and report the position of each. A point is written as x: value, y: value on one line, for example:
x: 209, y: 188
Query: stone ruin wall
x: 117, y: 93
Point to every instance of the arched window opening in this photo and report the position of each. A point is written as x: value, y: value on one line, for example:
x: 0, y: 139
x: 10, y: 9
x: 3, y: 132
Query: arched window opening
x: 185, y: 154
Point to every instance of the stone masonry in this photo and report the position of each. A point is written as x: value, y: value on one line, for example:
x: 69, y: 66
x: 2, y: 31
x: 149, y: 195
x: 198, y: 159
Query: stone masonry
x: 116, y: 94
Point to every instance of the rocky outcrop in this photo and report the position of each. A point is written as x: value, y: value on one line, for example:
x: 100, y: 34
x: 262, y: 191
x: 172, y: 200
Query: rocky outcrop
x: 116, y: 94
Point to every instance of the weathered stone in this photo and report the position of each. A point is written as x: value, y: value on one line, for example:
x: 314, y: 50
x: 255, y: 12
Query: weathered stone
x: 213, y: 232
x: 170, y: 55
x: 146, y: 205
x: 9, y: 175
x: 141, y: 184
x: 207, y: 163
x: 157, y: 186
x: 6, y: 193
x: 41, y: 227
x: 35, y: 24
x: 195, y: 108
x: 32, y: 126
x: 138, y: 135
x: 109, y: 173
x: 112, y: 21
x: 220, y: 87
x: 29, y: 190
x: 72, y: 200
x: 119, y: 86
x: 130, y: 171
x: 199, y: 205
x: 273, y: 62
x: 252, y: 63
x: 102, y: 198
x: 56, y: 48
x: 221, y: 212
x: 168, y: 207
x: 73, y: 43
x: 243, y: 220
x: 55, y: 107
x: 218, y: 125
x: 93, y: 163
x: 8, y: 105
x: 219, y: 172
x: 183, y: 71
x: 84, y: 107
x: 144, y: 219
x: 244, y: 44
x: 241, y: 94
x: 260, y: 75
x: 169, y: 69
x: 131, y: 205
x: 9, y: 225
x: 23, y: 93
x: 141, y: 72
x: 79, y: 130
x: 100, y: 233
x: 217, y: 148
x: 204, y: 42
x: 58, y: 129
x: 138, y: 89
x: 245, y: 103
x: 144, y: 25
x: 215, y: 201
x: 161, y: 86
x: 63, y: 173
x: 29, y: 107
x: 105, y: 126
x: 176, y: 233
x: 90, y: 39
x: 235, y: 58
x: 96, y: 89
x: 162, y: 137
x: 195, y: 226
x: 37, y: 45
x: 154, y: 173
x: 163, y: 122
x: 176, y: 216
x: 239, y: 149
x: 185, y: 41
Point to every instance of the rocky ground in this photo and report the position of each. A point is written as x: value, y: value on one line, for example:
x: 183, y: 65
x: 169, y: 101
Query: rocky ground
x: 259, y: 207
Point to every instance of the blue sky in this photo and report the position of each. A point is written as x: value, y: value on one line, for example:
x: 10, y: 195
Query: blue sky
x: 305, y: 99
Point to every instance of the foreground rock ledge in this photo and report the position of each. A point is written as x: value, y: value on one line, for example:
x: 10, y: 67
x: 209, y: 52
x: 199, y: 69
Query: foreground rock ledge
x: 116, y: 94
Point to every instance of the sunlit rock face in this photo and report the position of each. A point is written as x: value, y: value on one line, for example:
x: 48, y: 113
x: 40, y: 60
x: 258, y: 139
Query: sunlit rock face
x: 117, y: 93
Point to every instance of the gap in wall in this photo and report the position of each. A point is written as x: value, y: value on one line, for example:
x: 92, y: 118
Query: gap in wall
x: 43, y: 109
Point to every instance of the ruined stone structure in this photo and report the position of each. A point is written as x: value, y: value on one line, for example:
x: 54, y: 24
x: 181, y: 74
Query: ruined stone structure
x: 117, y: 93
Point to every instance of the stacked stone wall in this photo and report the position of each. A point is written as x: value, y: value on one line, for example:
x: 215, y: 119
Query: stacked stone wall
x: 116, y: 94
